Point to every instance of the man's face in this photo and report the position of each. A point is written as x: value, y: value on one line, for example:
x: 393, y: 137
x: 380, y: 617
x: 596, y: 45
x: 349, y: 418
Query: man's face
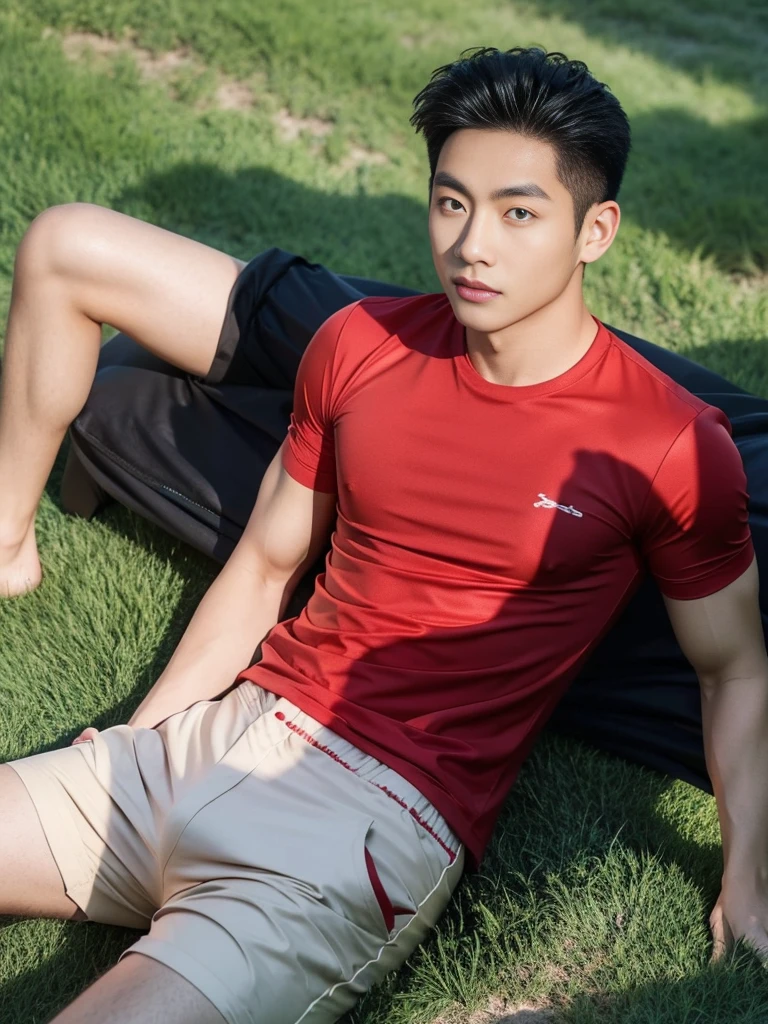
x: 485, y: 229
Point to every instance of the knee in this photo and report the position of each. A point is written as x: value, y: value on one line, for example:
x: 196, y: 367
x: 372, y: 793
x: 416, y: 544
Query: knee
x: 61, y: 241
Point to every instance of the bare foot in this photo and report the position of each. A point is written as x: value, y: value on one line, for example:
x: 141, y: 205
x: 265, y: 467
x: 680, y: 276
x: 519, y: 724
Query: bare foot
x: 20, y: 569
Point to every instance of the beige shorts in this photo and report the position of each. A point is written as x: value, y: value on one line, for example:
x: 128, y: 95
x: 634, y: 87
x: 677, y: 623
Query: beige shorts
x: 278, y: 868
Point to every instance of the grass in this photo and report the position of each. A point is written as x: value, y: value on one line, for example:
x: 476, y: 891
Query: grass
x: 594, y: 899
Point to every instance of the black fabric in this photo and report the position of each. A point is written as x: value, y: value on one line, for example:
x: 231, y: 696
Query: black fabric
x: 189, y: 454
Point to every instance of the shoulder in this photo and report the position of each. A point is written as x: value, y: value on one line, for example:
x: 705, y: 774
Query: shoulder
x: 377, y: 306
x: 367, y: 325
x: 664, y: 414
x: 646, y: 383
x: 388, y: 315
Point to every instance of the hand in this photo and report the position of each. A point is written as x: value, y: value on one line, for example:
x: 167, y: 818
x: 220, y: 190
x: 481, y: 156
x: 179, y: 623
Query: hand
x: 741, y: 912
x: 85, y: 735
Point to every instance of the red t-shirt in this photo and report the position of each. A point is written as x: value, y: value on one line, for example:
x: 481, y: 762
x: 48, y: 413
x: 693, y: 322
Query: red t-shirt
x: 486, y: 537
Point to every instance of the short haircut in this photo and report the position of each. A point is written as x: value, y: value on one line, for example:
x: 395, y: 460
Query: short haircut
x: 539, y: 95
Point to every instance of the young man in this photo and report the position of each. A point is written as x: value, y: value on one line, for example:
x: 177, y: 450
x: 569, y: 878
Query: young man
x: 290, y: 841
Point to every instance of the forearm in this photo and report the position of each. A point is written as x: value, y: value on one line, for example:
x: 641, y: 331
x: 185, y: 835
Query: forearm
x: 238, y: 610
x: 735, y: 725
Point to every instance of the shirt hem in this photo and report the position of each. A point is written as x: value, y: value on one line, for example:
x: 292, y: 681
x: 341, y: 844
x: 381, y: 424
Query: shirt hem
x: 726, y: 574
x: 307, y: 477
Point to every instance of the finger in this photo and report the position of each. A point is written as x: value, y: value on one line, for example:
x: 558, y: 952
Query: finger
x: 722, y: 936
x: 85, y: 735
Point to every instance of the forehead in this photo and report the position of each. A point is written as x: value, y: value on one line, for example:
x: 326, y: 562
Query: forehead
x: 487, y: 160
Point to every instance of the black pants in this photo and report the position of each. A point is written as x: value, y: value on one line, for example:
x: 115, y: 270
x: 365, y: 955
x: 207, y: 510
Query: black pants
x: 189, y: 453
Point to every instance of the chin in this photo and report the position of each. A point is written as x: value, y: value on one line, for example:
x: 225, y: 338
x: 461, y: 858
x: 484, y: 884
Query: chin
x: 482, y: 318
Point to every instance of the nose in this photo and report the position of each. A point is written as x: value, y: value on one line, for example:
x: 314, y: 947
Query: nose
x: 475, y: 243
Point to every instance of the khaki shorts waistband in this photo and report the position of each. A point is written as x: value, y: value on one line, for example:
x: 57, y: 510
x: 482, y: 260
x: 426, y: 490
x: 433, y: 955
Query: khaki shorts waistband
x: 369, y: 768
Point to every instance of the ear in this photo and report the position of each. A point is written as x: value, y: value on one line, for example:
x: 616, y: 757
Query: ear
x: 598, y: 231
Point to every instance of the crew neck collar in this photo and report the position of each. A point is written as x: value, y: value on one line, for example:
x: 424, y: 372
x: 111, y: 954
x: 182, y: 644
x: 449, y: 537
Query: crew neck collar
x: 516, y: 393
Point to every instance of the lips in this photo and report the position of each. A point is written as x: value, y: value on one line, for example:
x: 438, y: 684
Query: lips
x: 474, y: 291
x: 476, y: 286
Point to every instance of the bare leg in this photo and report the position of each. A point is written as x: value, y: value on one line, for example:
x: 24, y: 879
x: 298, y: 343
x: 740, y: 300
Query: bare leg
x: 80, y: 266
x: 30, y: 883
x: 140, y: 990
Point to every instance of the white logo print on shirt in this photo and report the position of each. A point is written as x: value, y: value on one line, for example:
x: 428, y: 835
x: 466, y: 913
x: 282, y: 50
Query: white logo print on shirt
x: 549, y: 503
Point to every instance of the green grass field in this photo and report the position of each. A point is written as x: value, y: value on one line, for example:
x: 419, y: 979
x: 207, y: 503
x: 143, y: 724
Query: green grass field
x: 245, y: 125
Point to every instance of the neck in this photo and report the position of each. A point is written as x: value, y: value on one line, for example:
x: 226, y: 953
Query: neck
x: 545, y: 344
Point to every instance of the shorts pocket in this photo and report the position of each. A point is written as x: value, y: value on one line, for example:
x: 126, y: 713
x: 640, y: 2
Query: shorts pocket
x: 387, y: 910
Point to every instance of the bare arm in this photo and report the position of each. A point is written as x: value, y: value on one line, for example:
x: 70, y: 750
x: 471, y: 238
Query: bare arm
x: 289, y: 526
x: 722, y: 637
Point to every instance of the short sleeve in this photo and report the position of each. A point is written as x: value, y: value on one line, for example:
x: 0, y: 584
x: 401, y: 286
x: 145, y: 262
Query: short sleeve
x: 694, y: 530
x: 310, y: 453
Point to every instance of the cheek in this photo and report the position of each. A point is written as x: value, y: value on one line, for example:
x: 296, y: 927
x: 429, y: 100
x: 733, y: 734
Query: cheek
x: 548, y: 240
x: 538, y: 254
x: 441, y: 234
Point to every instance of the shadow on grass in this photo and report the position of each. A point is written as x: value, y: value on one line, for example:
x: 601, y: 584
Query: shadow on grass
x: 702, y: 184
x: 701, y: 38
x: 699, y: 184
x: 744, y: 361
x: 249, y: 210
x: 734, y: 992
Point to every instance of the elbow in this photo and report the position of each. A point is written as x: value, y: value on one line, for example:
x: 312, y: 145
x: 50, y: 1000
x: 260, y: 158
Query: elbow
x: 711, y: 682
x: 714, y: 680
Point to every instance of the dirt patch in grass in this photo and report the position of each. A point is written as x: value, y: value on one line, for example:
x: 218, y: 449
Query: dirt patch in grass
x: 169, y: 68
x: 165, y: 67
x: 358, y: 155
x: 77, y: 45
x: 501, y: 1011
x: 234, y: 95
x: 291, y: 127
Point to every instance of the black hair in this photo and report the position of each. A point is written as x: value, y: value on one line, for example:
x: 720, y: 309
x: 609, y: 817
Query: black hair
x: 541, y: 95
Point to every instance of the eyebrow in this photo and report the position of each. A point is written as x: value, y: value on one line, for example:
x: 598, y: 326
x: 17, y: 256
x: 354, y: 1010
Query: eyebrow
x: 529, y: 188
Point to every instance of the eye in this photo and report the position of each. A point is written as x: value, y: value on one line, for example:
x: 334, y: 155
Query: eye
x: 519, y: 209
x: 445, y: 204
